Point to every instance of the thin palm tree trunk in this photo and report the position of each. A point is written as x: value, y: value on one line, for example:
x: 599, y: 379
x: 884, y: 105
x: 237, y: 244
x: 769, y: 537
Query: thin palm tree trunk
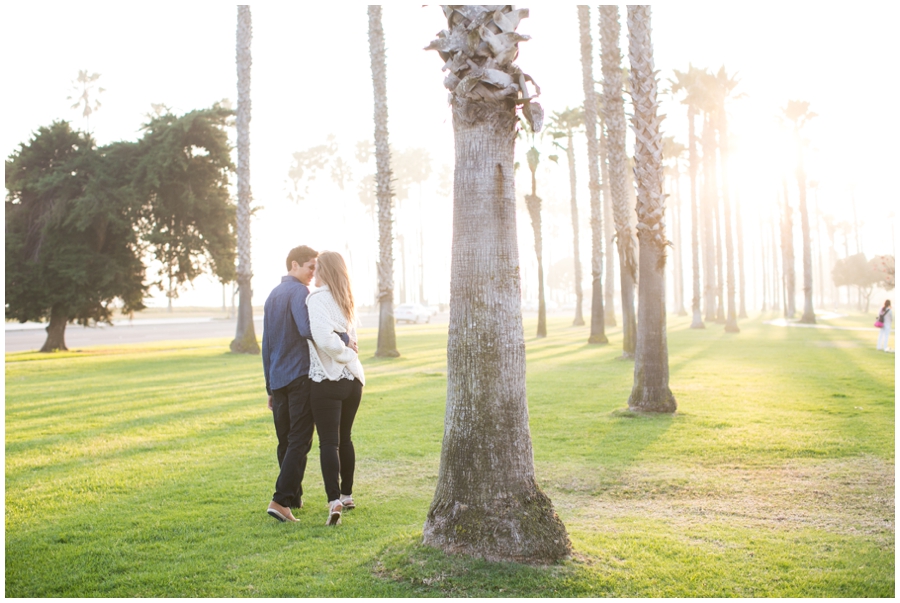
x: 614, y: 113
x: 809, y: 316
x: 693, y: 164
x: 387, y: 337
x: 731, y: 325
x: 739, y: 224
x: 609, y: 310
x: 245, y: 335
x: 598, y: 326
x: 709, y: 242
x: 678, y: 243
x: 788, y: 242
x: 570, y: 157
x: 533, y: 203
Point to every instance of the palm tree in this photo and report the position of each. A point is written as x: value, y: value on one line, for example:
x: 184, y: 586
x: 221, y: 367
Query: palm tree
x: 533, y: 203
x: 799, y: 114
x: 674, y: 150
x: 387, y: 337
x: 486, y: 431
x: 709, y: 202
x: 563, y: 125
x: 721, y: 86
x: 245, y: 336
x: 82, y: 87
x: 609, y: 311
x: 598, y: 318
x: 689, y: 83
x: 614, y: 114
x: 739, y: 225
x: 651, y: 362
x: 787, y: 251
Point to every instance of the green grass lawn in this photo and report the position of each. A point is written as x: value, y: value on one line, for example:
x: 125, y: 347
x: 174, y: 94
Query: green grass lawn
x: 146, y: 471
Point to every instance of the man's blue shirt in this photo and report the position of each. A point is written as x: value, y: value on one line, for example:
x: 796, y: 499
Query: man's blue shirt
x: 285, y: 331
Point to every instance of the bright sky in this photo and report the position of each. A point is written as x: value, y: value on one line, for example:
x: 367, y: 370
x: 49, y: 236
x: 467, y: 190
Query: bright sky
x: 311, y: 78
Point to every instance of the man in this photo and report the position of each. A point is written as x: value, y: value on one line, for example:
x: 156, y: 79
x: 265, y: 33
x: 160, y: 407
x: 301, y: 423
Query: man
x: 286, y: 366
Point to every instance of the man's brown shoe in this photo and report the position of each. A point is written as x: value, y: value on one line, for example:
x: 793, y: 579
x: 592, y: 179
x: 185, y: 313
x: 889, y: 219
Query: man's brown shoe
x: 280, y: 513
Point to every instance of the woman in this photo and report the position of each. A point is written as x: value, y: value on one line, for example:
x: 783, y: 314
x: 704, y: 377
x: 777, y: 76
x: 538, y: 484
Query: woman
x: 886, y: 316
x: 337, y: 379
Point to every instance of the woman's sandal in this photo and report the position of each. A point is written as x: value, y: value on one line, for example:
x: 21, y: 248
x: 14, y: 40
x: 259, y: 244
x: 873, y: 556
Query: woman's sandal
x: 334, y: 513
x: 347, y: 502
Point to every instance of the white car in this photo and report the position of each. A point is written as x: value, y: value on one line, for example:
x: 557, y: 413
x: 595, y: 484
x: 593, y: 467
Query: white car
x: 412, y: 313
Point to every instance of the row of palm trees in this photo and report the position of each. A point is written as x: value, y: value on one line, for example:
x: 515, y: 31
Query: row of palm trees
x: 486, y: 426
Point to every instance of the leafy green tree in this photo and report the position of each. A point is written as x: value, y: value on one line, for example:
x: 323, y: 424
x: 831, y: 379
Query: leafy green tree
x: 855, y: 270
x: 71, y: 250
x: 181, y: 180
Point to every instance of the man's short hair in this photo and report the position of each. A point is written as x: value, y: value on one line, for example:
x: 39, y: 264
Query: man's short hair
x: 301, y: 255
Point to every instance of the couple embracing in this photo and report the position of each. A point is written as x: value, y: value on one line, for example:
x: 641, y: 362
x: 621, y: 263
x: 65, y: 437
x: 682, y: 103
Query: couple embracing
x: 313, y: 377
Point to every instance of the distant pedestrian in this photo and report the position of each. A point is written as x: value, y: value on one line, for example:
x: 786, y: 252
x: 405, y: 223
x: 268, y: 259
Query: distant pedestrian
x: 885, y: 317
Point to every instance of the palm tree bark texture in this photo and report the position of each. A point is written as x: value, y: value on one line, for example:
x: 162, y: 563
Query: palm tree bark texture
x: 387, y: 336
x: 598, y: 318
x: 487, y: 502
x: 614, y: 112
x: 245, y: 335
x: 650, y: 392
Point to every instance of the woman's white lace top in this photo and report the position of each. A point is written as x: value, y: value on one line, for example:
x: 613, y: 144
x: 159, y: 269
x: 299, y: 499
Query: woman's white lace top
x: 329, y: 358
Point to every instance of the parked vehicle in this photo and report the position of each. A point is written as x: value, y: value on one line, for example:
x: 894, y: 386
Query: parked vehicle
x: 414, y: 313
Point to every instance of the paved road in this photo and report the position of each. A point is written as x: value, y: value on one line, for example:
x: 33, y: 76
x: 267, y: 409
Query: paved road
x: 31, y: 336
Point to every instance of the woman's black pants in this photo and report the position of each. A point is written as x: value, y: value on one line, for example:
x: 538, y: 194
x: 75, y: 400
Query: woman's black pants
x: 334, y: 405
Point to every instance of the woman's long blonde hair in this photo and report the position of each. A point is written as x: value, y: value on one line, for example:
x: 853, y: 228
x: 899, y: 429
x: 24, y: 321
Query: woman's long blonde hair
x: 331, y: 268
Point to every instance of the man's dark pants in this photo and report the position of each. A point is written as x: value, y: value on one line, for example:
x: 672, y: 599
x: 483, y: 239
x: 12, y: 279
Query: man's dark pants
x: 294, y: 427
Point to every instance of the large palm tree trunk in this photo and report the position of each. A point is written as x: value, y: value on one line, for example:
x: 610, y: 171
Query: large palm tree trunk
x: 245, y: 336
x: 651, y: 391
x: 387, y: 337
x: 614, y: 113
x: 487, y: 501
x: 598, y: 322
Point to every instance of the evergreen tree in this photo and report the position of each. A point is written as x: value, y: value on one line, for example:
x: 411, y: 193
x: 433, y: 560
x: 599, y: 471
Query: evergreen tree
x: 71, y: 250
